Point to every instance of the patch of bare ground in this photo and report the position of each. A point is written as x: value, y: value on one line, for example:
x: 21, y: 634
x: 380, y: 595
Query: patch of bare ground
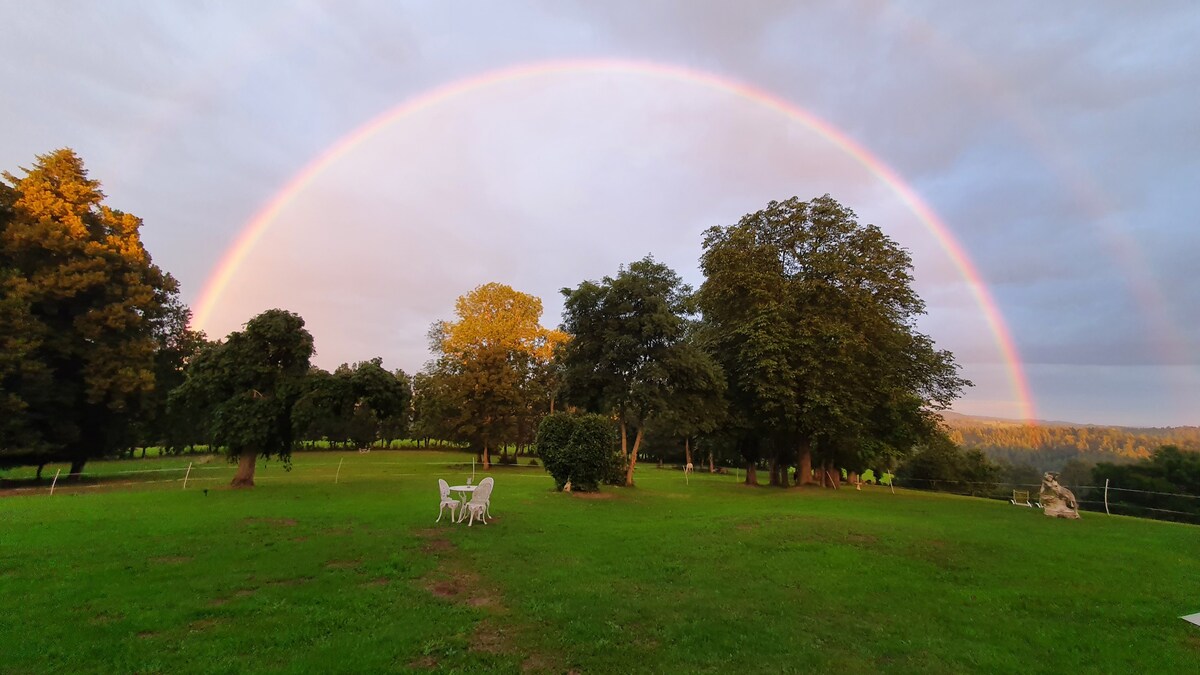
x: 202, y: 625
x: 147, y: 634
x: 424, y: 663
x: 437, y: 546
x: 1193, y: 641
x: 593, y: 495
x: 276, y: 522
x: 489, y: 638
x: 171, y: 559
x: 289, y: 582
x: 342, y: 564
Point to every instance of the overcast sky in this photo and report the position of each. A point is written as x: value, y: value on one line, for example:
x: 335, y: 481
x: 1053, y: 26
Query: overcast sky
x: 1059, y: 142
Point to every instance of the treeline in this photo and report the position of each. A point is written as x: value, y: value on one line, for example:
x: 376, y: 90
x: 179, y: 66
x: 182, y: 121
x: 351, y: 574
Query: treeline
x: 797, y: 354
x: 1050, y: 447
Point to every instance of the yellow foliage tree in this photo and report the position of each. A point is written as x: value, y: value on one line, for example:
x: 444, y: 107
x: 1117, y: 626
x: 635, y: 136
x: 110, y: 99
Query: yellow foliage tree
x: 496, y: 362
x: 495, y: 316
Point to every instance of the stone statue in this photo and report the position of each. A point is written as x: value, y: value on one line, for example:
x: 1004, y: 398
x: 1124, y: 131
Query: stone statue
x: 1057, y: 501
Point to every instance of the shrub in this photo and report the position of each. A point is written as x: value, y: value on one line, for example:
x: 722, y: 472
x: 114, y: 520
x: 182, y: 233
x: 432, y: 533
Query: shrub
x: 577, y: 448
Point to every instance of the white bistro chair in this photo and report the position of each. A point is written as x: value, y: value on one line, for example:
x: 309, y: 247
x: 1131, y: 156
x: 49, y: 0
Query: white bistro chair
x: 478, y: 506
x: 447, y: 500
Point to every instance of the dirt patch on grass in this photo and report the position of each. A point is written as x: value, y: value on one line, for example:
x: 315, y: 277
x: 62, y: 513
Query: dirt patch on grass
x: 202, y: 625
x: 275, y: 522
x: 171, y: 559
x: 147, y: 634
x: 593, y: 495
x: 489, y: 638
x: 378, y: 582
x: 437, y: 546
x: 298, y: 581
x: 342, y: 564
x: 424, y: 663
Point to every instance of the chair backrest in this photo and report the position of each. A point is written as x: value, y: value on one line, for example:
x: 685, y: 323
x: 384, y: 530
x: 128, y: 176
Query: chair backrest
x: 444, y: 488
x: 484, y: 491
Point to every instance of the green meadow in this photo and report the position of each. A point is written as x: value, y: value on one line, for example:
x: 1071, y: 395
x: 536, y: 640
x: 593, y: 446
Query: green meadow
x: 302, y: 574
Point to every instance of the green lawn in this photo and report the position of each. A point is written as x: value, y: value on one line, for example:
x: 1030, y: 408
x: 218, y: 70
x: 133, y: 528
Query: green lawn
x: 301, y: 574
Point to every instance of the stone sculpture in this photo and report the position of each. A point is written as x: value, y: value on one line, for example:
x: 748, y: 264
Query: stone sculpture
x: 1057, y: 501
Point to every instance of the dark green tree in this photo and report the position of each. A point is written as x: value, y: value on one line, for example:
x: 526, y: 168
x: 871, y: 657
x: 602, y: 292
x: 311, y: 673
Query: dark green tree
x: 79, y: 303
x: 629, y: 354
x: 812, y: 317
x: 247, y: 387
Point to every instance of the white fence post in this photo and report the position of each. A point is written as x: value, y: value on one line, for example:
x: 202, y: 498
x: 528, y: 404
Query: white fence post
x: 1106, y: 498
x: 55, y: 482
x: 185, y: 476
x: 339, y: 471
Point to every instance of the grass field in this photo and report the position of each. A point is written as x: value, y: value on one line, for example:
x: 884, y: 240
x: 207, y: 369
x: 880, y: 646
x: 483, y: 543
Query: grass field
x: 301, y: 574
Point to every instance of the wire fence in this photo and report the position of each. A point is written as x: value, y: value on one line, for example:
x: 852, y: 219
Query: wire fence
x: 215, y: 470
x: 1109, y: 499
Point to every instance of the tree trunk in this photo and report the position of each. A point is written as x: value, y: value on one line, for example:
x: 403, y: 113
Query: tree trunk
x: 637, y: 443
x: 487, y: 464
x: 774, y: 479
x: 804, y: 464
x: 244, y: 478
x: 77, y: 467
x: 624, y: 445
x: 687, y: 450
x: 832, y: 476
x: 39, y: 473
x: 751, y: 474
x: 711, y: 467
x: 143, y: 452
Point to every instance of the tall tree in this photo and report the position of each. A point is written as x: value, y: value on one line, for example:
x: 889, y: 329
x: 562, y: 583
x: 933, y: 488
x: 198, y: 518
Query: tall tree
x: 493, y: 358
x: 247, y: 388
x: 812, y: 316
x: 79, y: 302
x: 629, y: 353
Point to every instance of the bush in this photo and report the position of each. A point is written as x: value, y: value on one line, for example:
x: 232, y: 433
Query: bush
x: 578, y: 449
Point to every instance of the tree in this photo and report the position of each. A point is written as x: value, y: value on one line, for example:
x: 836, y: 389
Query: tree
x: 629, y: 352
x: 247, y: 388
x: 493, y: 375
x: 80, y: 300
x: 811, y: 315
x: 1166, y: 484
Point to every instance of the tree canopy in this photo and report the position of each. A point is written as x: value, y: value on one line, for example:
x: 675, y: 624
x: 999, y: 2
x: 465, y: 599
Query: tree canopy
x: 247, y: 387
x: 812, y: 317
x: 631, y: 355
x: 80, y: 309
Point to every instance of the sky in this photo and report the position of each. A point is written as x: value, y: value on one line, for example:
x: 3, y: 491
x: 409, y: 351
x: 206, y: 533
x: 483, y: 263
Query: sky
x: 391, y: 156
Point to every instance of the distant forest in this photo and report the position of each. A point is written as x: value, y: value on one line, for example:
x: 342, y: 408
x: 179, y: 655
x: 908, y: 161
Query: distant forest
x: 1048, y: 446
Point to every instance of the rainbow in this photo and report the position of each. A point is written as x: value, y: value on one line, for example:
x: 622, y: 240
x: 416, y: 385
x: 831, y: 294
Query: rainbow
x: 249, y: 237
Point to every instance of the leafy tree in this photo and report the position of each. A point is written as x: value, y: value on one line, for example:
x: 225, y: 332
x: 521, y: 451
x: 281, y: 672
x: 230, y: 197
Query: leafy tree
x: 80, y: 300
x: 941, y: 465
x: 812, y: 315
x: 247, y: 388
x: 492, y: 376
x: 629, y: 353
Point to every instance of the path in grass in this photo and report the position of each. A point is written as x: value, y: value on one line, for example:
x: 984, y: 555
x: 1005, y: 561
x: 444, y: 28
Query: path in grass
x: 303, y: 574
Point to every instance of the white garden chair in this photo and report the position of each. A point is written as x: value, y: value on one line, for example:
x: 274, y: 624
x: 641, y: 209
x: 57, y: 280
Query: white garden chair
x: 478, y: 506
x: 447, y: 500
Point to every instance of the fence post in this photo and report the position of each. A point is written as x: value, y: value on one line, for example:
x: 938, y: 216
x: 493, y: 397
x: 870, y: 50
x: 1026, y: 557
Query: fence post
x: 55, y: 481
x: 185, y: 476
x: 1106, y: 498
x: 339, y: 471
